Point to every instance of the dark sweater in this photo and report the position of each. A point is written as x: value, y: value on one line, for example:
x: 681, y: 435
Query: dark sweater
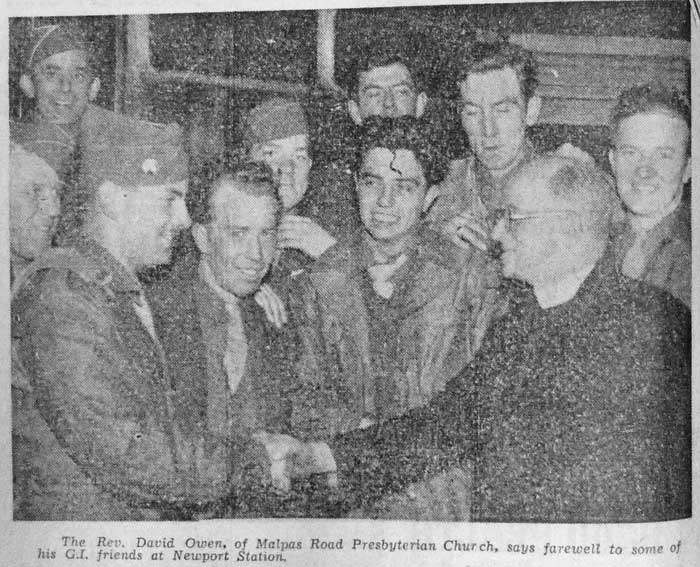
x: 578, y: 413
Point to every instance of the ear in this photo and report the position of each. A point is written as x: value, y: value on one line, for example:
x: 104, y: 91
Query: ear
x: 687, y: 172
x: 27, y: 85
x: 534, y: 105
x: 110, y: 200
x: 201, y: 238
x: 611, y: 159
x: 430, y: 196
x: 354, y: 111
x: 421, y: 102
x: 94, y: 89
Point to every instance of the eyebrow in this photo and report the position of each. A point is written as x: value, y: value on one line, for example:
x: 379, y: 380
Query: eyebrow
x: 178, y: 192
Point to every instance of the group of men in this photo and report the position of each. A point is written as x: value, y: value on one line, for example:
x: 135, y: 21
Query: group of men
x: 500, y: 338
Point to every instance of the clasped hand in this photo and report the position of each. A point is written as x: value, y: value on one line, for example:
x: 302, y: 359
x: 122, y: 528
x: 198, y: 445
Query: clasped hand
x: 290, y: 458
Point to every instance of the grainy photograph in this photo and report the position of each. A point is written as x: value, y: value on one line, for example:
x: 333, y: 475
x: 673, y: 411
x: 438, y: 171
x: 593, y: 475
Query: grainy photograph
x: 422, y: 263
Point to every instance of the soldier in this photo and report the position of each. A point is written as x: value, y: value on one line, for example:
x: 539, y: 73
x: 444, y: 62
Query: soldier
x: 650, y: 158
x: 59, y: 79
x: 96, y: 435
x: 394, y: 310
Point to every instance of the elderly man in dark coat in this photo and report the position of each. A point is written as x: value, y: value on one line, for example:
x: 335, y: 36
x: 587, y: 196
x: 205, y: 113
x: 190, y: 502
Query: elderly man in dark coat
x: 95, y: 433
x: 650, y: 158
x: 577, y: 408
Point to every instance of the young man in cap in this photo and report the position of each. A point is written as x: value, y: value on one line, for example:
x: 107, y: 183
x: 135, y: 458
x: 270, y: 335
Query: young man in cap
x: 391, y: 313
x: 59, y: 79
x: 102, y: 439
x: 650, y: 159
x: 576, y: 408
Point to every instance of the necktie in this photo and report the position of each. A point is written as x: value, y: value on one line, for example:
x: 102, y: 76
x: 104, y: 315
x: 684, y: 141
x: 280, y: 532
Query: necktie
x: 236, y: 347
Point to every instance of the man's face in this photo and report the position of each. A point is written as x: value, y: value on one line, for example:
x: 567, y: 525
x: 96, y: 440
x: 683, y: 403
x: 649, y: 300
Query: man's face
x: 387, y: 91
x: 495, y: 116
x: 649, y: 161
x: 533, y: 231
x: 241, y: 239
x: 290, y: 163
x: 152, y: 217
x: 62, y: 87
x: 392, y: 192
x: 34, y: 204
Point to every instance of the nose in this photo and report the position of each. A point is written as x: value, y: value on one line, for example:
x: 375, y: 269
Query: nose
x: 488, y: 124
x: 254, y: 249
x: 386, y: 197
x: 65, y: 84
x: 389, y: 102
x: 181, y: 218
x: 646, y: 169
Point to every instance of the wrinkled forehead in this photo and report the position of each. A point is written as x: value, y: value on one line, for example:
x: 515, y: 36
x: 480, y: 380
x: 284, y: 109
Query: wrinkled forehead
x: 298, y: 142
x: 491, y: 86
x: 244, y: 204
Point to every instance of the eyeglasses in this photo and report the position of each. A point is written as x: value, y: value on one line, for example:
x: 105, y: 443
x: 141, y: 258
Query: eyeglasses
x: 511, y: 216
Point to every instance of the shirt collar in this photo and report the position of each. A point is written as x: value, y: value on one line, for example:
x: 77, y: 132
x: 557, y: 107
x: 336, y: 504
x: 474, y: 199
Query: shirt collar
x: 228, y: 298
x: 641, y: 224
x: 563, y: 290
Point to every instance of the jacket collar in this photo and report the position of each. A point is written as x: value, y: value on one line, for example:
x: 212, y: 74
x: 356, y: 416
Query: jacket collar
x: 109, y: 270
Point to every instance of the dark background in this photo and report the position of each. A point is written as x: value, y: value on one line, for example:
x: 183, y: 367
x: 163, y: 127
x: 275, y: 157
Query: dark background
x: 281, y: 45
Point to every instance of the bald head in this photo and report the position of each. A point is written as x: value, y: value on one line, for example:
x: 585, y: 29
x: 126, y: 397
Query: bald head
x: 558, y: 219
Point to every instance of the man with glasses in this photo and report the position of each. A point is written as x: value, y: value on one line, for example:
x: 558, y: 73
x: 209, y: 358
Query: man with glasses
x: 577, y: 407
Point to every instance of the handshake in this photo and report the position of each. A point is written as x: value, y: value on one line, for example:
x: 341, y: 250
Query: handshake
x: 289, y: 459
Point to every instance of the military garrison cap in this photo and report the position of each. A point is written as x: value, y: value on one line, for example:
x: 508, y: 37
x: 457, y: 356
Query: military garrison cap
x: 130, y: 152
x: 274, y: 119
x: 51, y: 39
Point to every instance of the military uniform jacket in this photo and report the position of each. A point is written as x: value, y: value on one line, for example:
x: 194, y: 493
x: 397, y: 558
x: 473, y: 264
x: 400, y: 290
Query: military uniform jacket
x: 97, y: 396
x: 666, y: 253
x: 578, y: 413
x: 368, y: 358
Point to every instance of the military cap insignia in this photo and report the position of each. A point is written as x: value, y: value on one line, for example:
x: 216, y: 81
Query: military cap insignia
x: 149, y: 165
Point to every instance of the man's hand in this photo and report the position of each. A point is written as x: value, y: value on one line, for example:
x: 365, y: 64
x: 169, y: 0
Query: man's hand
x: 304, y: 234
x: 466, y: 230
x: 273, y: 306
x: 290, y: 458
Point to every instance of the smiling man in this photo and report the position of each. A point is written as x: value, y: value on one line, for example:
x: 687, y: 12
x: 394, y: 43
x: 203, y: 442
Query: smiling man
x: 95, y: 433
x: 650, y: 158
x: 229, y: 362
x: 59, y: 79
x: 395, y: 310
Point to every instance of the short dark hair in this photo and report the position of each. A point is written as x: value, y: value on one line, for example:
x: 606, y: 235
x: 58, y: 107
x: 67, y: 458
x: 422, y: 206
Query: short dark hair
x: 404, y: 133
x: 649, y: 97
x: 253, y: 178
x: 381, y: 54
x: 485, y: 56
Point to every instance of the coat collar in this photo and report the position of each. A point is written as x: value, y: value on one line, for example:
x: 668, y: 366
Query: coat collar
x: 108, y: 269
